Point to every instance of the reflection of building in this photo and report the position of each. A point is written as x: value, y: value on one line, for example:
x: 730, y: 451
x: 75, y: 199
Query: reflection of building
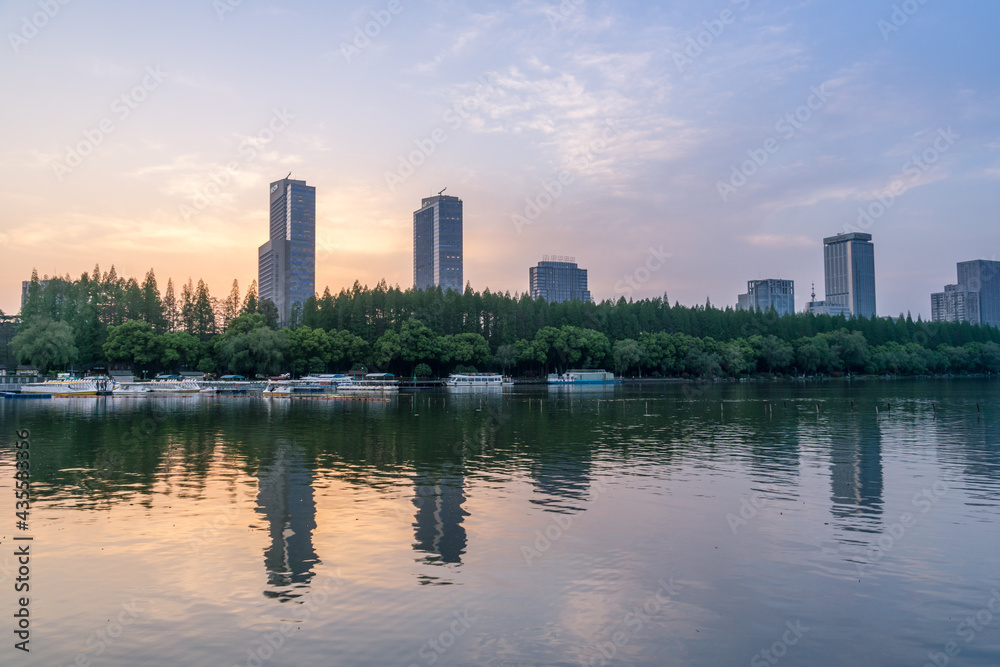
x: 558, y: 279
x: 849, y: 267
x: 286, y: 264
x: 856, y: 476
x: 438, y: 243
x: 562, y: 479
x: 769, y: 293
x: 955, y: 304
x: 285, y: 499
x: 437, y: 526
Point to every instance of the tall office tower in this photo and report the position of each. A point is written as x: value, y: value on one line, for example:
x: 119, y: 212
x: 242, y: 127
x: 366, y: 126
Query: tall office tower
x: 955, y: 304
x: 769, y: 293
x: 983, y: 276
x: 286, y: 264
x: 849, y: 265
x: 437, y: 244
x: 557, y: 279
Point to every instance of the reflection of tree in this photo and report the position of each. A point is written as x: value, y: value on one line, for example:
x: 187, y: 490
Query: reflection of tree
x: 285, y: 499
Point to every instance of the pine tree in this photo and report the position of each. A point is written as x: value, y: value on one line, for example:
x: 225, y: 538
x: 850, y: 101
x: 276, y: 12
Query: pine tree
x: 231, y: 308
x: 152, y: 307
x: 170, y: 315
x: 203, y: 315
x: 187, y: 306
x: 250, y: 301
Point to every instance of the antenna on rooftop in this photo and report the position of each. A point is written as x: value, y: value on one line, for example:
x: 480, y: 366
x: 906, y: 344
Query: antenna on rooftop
x: 289, y: 176
x: 442, y: 191
x: 814, y: 291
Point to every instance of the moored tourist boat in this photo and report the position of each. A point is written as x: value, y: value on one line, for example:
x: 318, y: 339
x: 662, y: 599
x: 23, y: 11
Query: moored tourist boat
x: 130, y: 389
x: 278, y: 389
x: 63, y: 387
x: 586, y: 376
x: 385, y: 383
x: 477, y: 381
x: 173, y: 387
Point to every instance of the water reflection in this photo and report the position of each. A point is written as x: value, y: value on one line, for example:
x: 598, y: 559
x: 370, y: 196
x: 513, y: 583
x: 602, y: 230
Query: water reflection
x: 285, y: 499
x: 856, y: 475
x: 439, y: 494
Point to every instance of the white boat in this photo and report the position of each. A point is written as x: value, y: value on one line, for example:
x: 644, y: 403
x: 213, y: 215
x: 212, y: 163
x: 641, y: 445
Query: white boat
x: 336, y: 380
x: 130, y: 389
x: 477, y: 381
x: 157, y: 387
x: 278, y: 389
x: 385, y: 383
x: 61, y: 388
x: 587, y: 376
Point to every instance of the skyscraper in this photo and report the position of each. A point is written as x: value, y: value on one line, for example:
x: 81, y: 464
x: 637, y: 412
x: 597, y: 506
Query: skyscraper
x: 983, y: 276
x: 286, y: 264
x: 558, y: 279
x: 849, y: 265
x: 769, y: 293
x: 437, y: 243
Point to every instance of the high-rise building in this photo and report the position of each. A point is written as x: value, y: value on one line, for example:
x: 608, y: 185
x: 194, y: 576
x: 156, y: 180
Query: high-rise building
x: 286, y: 264
x: 983, y: 276
x: 437, y: 243
x: 955, y: 304
x: 849, y: 266
x: 558, y: 279
x: 769, y: 293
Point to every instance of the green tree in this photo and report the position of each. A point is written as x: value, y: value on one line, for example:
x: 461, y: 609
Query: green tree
x: 505, y: 357
x: 134, y: 343
x: 179, y: 348
x: 422, y: 371
x: 627, y: 354
x: 261, y: 351
x: 44, y: 344
x: 270, y: 312
x: 308, y: 349
x: 387, y: 349
x: 250, y: 300
x: 171, y: 314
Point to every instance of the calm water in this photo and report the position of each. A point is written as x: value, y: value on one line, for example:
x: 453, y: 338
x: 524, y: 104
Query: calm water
x: 655, y: 525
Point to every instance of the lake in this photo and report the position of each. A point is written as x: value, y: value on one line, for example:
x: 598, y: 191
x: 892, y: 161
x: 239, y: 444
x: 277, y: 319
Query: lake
x: 837, y: 523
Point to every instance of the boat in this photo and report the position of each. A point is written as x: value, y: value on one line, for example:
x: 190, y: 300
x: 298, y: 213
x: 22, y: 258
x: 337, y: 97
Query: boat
x: 584, y: 376
x: 385, y: 383
x: 159, y: 387
x: 15, y: 394
x: 130, y: 389
x: 477, y: 381
x: 278, y: 389
x: 62, y: 387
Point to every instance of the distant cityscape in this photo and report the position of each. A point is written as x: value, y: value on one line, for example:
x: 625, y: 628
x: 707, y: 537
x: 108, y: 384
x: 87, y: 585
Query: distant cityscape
x: 287, y: 267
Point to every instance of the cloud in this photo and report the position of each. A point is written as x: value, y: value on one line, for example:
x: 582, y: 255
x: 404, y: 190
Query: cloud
x: 779, y: 241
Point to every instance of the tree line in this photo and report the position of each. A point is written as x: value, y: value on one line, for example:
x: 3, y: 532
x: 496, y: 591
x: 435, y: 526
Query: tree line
x: 101, y: 319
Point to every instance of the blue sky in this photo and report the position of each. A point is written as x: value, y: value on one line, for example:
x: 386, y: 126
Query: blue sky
x: 631, y: 114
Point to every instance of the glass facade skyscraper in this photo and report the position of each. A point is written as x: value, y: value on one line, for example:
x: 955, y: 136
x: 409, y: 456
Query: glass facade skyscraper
x: 286, y: 264
x: 437, y: 244
x: 849, y: 267
x: 558, y: 279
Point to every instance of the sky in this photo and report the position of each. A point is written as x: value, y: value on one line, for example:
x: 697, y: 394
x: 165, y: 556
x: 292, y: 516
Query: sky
x: 677, y: 148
